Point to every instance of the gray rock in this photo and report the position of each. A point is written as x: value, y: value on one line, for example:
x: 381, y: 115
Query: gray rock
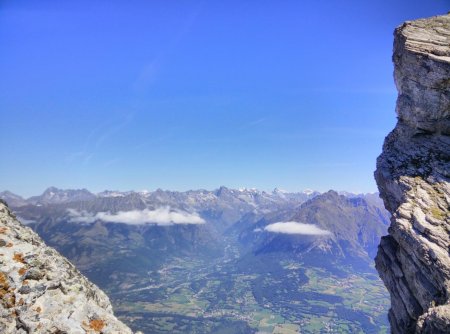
x: 42, y: 292
x: 34, y: 273
x: 413, y: 178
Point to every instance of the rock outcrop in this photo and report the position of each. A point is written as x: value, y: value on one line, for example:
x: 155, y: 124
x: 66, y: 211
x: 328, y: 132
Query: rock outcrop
x: 413, y: 176
x: 42, y: 292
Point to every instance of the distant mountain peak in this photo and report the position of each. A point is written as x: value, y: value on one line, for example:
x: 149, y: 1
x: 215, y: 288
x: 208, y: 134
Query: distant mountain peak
x: 12, y: 199
x: 308, y: 191
x: 279, y: 191
x: 53, y: 195
x: 9, y: 193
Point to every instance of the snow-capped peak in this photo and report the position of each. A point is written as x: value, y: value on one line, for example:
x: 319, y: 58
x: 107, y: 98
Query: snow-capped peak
x: 308, y: 192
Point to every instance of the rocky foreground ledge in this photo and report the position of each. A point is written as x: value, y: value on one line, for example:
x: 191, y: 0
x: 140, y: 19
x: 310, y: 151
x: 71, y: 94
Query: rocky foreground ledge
x: 42, y: 292
x: 413, y: 176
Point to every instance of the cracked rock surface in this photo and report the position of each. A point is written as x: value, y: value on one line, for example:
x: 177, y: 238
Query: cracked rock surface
x: 42, y: 292
x: 413, y: 176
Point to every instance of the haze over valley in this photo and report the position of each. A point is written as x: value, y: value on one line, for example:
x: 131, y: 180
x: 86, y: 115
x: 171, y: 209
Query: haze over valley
x: 222, y: 261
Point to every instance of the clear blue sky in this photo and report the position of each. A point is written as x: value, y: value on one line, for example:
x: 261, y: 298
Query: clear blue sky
x: 197, y: 94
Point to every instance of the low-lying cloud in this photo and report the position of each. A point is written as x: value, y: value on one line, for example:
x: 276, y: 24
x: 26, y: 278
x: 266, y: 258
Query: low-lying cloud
x: 25, y: 221
x: 160, y: 216
x: 296, y: 228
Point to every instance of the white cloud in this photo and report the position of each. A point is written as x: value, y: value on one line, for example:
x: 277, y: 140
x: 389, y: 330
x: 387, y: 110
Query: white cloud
x: 25, y: 221
x: 296, y: 228
x: 76, y: 216
x: 160, y: 216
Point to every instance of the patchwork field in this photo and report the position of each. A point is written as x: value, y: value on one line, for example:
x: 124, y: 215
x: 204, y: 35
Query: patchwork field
x: 200, y: 297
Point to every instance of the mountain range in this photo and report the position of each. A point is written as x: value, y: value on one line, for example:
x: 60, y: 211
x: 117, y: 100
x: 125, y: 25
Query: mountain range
x: 217, y: 261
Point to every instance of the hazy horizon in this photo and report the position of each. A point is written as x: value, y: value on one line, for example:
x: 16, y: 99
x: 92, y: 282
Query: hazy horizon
x: 117, y: 95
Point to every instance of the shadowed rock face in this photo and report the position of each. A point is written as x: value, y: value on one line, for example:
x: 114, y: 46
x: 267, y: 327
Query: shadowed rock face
x: 42, y: 292
x: 413, y: 175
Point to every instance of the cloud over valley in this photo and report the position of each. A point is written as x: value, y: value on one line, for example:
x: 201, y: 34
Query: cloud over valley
x: 160, y: 216
x: 296, y: 228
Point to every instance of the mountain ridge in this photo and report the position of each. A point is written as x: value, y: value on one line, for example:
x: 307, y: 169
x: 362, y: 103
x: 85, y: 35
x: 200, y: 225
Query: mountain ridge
x: 117, y: 193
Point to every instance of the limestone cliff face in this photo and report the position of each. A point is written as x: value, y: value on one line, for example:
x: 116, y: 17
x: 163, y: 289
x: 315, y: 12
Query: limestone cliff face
x: 413, y: 176
x: 42, y: 292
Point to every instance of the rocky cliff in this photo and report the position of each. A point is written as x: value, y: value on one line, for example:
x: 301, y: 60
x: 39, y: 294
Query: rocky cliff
x: 42, y: 292
x: 413, y: 175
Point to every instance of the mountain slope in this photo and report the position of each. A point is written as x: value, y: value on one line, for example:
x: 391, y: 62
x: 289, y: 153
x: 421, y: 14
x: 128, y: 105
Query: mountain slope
x: 42, y: 292
x: 351, y: 229
x: 331, y: 239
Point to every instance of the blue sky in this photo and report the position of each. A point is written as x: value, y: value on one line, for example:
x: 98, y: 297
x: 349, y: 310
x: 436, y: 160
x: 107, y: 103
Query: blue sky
x: 197, y: 94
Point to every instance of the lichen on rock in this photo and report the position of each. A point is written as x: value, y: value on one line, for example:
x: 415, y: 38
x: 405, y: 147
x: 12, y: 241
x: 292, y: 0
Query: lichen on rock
x: 413, y: 176
x: 42, y: 292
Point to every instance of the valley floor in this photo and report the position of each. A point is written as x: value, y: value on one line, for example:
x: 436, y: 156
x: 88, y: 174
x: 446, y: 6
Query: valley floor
x: 194, y: 296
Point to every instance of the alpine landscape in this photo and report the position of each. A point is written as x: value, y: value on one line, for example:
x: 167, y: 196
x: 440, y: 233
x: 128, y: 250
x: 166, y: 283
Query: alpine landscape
x: 223, y: 261
x: 210, y: 105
